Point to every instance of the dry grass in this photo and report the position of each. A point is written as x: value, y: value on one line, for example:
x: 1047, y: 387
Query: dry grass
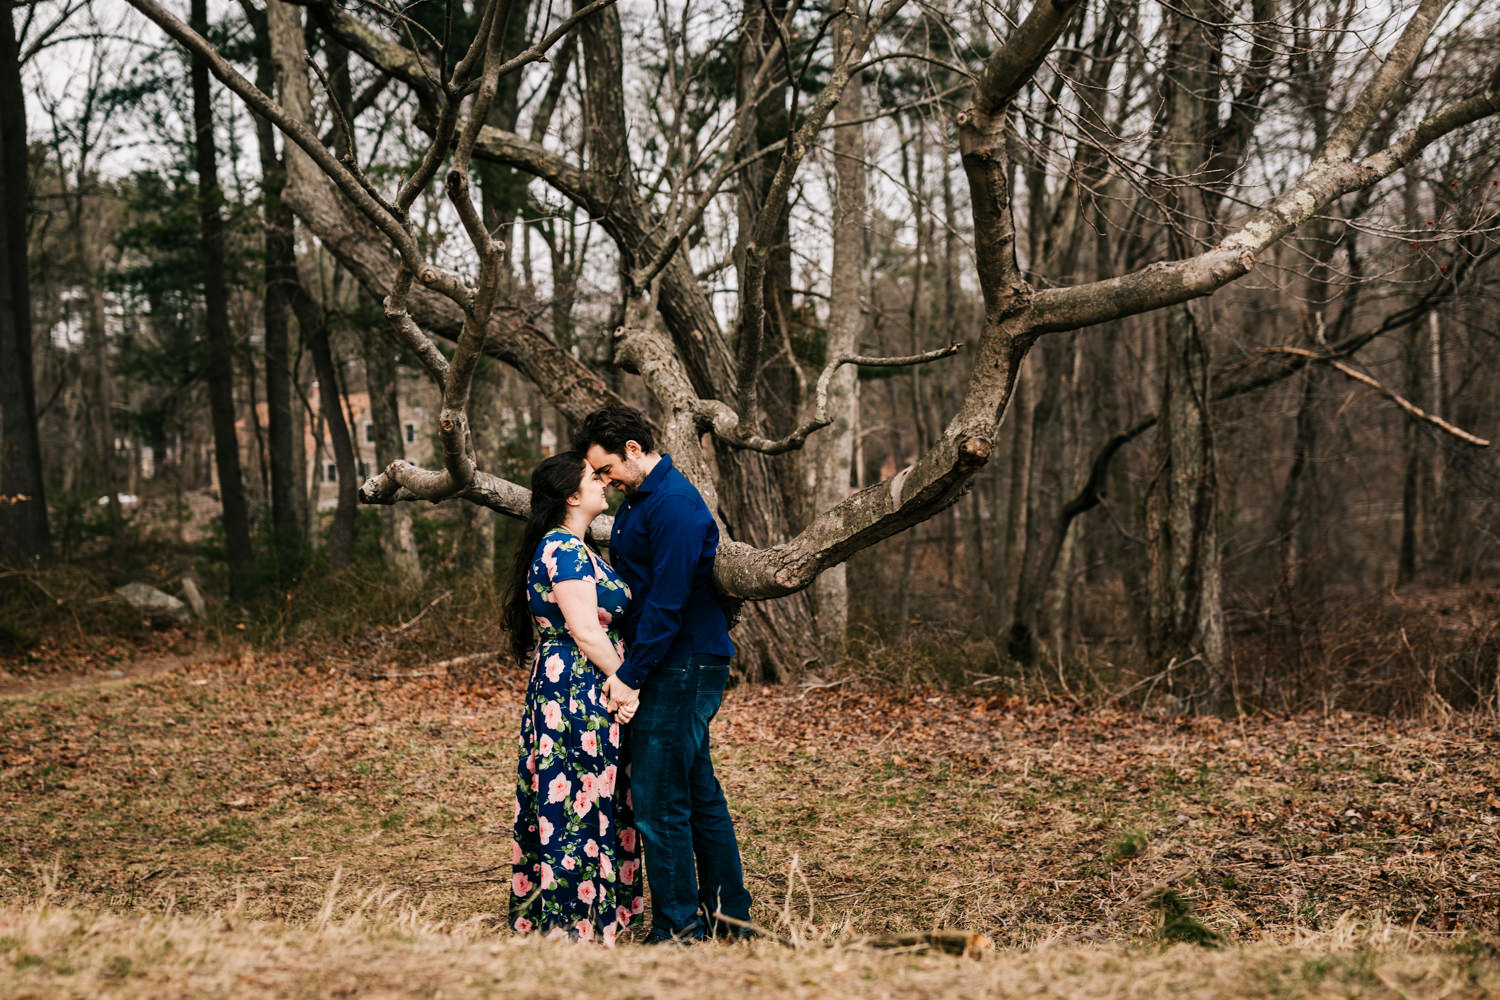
x: 271, y: 819
x: 388, y: 951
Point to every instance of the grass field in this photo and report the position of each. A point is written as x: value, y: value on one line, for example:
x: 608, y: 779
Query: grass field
x: 266, y: 826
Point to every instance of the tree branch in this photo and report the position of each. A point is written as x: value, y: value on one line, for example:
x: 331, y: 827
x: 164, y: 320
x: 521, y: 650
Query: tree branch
x: 1168, y: 283
x: 404, y: 242
x: 1393, y: 396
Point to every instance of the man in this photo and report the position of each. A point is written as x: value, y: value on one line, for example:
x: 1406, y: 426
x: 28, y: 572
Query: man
x: 677, y: 664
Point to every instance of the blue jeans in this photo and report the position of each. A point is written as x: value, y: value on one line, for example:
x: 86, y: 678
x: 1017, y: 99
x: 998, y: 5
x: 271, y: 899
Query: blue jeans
x: 692, y: 857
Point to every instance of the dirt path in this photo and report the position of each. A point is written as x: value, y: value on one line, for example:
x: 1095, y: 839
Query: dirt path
x: 12, y: 686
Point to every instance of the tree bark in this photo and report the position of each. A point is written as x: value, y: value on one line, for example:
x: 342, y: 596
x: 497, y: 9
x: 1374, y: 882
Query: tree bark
x: 24, y: 530
x: 287, y: 487
x: 216, y: 322
x: 397, y: 538
x: 833, y: 448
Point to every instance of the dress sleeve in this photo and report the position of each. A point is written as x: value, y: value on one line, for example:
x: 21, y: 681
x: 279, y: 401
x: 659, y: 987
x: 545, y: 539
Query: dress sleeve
x: 566, y: 559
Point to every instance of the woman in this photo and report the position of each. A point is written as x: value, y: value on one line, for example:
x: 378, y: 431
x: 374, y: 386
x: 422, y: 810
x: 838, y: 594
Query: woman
x: 575, y: 861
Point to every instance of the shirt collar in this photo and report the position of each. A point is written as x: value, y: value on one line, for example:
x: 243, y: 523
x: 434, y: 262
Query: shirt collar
x: 657, y: 477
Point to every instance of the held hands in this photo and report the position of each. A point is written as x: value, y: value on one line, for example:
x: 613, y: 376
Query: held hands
x: 621, y: 699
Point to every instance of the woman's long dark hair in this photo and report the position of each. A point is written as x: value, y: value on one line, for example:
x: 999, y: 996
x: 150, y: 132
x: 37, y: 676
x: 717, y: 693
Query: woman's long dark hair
x: 552, y: 482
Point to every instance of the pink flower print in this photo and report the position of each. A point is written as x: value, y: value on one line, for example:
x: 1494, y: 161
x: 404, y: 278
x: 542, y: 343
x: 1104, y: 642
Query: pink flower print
x: 614, y: 734
x: 556, y: 933
x: 637, y: 905
x: 609, y: 935
x: 606, y: 868
x: 515, y: 852
x: 607, y: 781
x: 568, y: 862
x: 628, y: 803
x: 544, y: 746
x: 591, y: 848
x: 603, y: 823
x: 552, y: 715
x: 549, y: 559
x: 622, y: 914
x: 544, y: 828
x: 548, y: 879
x: 523, y: 925
x: 605, y: 618
x: 520, y: 885
x: 585, y: 929
x: 581, y: 803
x: 627, y: 873
x: 554, y: 667
x: 573, y: 706
x: 590, y: 743
x: 535, y: 780
x: 531, y: 757
x: 541, y: 623
x: 587, y: 893
x: 558, y: 788
x: 627, y: 838
x: 590, y: 785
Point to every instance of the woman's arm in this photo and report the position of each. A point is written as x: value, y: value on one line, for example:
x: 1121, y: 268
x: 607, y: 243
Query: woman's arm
x: 579, y: 604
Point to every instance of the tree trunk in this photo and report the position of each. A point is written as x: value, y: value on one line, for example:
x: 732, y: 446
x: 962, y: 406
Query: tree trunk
x: 101, y: 477
x: 397, y: 538
x: 216, y: 322
x: 23, y: 509
x: 286, y: 491
x: 1296, y: 498
x: 1185, y: 614
x: 1414, y: 445
x: 315, y: 333
x: 832, y: 452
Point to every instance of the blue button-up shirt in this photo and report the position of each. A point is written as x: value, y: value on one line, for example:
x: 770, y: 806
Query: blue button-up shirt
x: 663, y: 543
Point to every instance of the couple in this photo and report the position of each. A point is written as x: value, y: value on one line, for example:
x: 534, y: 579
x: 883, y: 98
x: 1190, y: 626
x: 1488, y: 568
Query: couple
x: 642, y: 642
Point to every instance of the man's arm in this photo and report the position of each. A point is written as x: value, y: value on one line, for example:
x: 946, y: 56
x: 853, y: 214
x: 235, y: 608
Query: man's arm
x: 677, y: 528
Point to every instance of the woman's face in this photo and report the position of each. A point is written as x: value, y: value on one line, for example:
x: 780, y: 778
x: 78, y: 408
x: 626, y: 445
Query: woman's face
x: 591, y: 498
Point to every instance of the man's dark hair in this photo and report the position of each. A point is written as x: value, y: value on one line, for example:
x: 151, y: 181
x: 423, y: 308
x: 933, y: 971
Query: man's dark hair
x: 611, y: 427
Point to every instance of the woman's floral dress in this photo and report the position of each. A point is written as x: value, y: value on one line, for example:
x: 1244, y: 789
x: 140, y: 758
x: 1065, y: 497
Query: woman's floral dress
x: 576, y: 867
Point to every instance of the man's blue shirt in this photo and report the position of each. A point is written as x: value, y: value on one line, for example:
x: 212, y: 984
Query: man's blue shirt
x: 663, y: 543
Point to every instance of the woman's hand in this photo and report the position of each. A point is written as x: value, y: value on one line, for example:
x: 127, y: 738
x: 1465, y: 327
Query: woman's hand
x: 621, y: 699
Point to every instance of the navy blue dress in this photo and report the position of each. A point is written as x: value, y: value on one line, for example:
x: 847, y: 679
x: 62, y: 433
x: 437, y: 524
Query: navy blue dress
x: 575, y: 859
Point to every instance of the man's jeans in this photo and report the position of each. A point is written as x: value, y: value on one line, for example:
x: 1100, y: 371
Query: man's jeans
x: 679, y: 807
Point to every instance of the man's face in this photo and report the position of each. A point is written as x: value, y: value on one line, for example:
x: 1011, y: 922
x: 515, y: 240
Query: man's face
x: 623, y: 472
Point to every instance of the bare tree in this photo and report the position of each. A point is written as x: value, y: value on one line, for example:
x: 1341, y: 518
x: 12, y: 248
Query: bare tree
x: 216, y: 318
x: 24, y: 527
x: 704, y: 382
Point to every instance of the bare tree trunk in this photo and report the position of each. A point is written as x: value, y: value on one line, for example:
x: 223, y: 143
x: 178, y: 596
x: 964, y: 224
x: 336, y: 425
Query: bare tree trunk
x: 315, y: 332
x: 476, y: 541
x: 397, y: 538
x: 286, y: 491
x: 1295, y: 507
x: 1032, y: 569
x: 97, y: 383
x: 1185, y: 619
x: 833, y: 448
x: 1414, y: 445
x: 216, y: 320
x: 24, y: 529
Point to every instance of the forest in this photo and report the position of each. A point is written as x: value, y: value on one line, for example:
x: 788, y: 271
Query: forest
x: 1071, y: 366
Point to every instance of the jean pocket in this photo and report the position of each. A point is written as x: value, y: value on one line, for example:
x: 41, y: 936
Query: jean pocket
x: 713, y: 677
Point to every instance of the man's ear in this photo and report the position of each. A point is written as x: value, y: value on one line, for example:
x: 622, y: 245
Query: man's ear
x: 633, y: 450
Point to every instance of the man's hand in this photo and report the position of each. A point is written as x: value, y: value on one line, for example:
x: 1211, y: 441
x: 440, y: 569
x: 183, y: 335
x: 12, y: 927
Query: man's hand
x: 621, y: 699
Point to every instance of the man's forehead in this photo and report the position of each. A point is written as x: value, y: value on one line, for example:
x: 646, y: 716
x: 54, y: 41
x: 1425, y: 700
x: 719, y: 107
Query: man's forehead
x: 599, y: 458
